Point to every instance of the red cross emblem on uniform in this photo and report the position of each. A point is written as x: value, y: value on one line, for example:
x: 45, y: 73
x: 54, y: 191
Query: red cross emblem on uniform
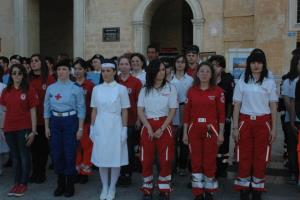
x: 58, y: 97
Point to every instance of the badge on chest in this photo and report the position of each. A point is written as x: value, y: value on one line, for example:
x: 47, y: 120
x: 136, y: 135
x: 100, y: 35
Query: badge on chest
x: 23, y: 96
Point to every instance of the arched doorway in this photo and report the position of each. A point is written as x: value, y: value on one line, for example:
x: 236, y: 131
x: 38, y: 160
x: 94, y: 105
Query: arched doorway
x: 171, y: 27
x: 142, y: 22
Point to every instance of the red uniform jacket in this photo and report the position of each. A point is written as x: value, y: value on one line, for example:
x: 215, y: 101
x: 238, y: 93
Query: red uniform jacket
x: 41, y: 88
x: 133, y: 86
x: 209, y: 104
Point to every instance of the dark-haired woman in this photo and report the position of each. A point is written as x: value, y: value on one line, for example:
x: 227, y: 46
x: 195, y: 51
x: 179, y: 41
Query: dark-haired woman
x: 64, y: 113
x: 204, y: 116
x: 20, y: 102
x: 288, y: 93
x: 138, y: 65
x: 109, y: 129
x: 84, y: 149
x: 39, y: 79
x: 157, y: 105
x: 182, y: 81
x: 254, y: 125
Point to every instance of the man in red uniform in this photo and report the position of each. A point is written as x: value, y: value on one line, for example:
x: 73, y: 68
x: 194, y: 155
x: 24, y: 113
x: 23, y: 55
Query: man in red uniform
x: 84, y: 150
x: 192, y: 56
x: 133, y: 86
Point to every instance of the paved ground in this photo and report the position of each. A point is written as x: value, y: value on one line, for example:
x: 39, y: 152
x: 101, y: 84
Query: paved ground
x: 277, y: 187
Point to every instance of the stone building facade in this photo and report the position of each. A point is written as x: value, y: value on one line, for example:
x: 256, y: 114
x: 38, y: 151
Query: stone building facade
x: 76, y: 26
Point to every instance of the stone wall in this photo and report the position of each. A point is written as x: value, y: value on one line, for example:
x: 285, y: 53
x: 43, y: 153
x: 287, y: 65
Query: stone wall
x: 6, y: 27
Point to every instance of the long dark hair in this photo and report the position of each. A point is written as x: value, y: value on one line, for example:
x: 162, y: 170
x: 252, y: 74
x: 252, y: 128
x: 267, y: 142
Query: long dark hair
x: 151, y: 73
x: 293, y: 73
x: 24, y: 86
x: 256, y: 57
x: 44, y: 69
x: 212, y: 80
x: 184, y: 60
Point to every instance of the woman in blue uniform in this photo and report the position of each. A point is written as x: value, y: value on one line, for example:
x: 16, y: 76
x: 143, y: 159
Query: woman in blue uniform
x: 64, y: 113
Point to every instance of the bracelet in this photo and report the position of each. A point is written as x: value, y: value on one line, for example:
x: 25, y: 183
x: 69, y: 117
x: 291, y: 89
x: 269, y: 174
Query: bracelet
x: 34, y: 132
x: 161, y: 129
x: 80, y: 129
x: 234, y: 128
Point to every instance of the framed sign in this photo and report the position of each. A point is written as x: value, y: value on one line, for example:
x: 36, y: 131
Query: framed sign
x: 237, y: 61
x: 111, y: 34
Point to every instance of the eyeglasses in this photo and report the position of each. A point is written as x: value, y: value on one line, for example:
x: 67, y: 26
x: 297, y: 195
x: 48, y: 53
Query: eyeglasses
x: 17, y: 73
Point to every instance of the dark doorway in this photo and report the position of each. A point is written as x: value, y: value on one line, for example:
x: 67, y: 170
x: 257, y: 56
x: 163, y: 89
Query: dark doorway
x: 56, y: 27
x: 171, y: 26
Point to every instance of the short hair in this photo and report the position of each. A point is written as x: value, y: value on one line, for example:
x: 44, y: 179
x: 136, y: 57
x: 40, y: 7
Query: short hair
x: 192, y: 49
x: 4, y: 59
x: 220, y: 59
x: 153, y: 46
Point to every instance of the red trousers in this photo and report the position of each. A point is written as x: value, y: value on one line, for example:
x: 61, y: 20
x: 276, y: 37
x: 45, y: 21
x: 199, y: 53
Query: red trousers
x: 164, y: 147
x: 84, y: 152
x: 203, y: 151
x: 253, y: 151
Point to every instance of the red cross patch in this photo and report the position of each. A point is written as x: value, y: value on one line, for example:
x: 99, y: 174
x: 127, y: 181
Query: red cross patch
x: 58, y: 97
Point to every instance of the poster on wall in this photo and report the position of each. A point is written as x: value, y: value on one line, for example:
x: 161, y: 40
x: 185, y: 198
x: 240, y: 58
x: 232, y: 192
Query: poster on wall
x: 237, y: 59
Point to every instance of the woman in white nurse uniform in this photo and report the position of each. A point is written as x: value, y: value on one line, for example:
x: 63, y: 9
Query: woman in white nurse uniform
x: 109, y: 104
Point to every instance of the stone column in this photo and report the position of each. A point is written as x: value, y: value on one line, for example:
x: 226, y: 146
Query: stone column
x: 198, y: 32
x: 79, y: 28
x: 141, y: 36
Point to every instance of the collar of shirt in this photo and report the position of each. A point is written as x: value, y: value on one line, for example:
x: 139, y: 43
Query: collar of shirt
x: 111, y: 84
x: 64, y: 82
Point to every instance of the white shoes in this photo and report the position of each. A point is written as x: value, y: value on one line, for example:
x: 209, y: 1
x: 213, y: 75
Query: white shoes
x: 103, y: 195
x: 111, y: 194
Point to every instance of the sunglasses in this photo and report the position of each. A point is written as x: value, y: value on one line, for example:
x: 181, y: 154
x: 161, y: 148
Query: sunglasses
x: 17, y: 73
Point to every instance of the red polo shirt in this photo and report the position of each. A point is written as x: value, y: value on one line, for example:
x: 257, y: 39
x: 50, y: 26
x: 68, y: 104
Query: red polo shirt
x: 88, y: 86
x: 41, y: 88
x: 133, y: 86
x: 209, y: 104
x: 18, y: 105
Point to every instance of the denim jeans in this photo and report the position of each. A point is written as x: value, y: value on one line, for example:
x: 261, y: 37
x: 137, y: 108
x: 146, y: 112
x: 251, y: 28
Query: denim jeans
x: 20, y: 153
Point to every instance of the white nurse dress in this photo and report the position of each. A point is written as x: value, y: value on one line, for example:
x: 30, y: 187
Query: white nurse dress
x: 108, y: 149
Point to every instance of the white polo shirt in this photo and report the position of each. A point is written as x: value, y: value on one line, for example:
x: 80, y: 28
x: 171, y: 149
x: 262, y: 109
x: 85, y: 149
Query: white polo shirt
x: 254, y: 97
x: 182, y: 86
x: 158, y: 101
x: 292, y: 92
x: 288, y: 89
x: 141, y: 76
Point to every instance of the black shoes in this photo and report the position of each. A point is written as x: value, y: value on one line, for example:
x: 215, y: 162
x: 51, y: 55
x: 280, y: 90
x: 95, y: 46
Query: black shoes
x: 200, y: 197
x: 81, y: 179
x: 147, y: 197
x: 70, y: 190
x: 256, y: 195
x: 61, y: 186
x: 37, y: 178
x: 209, y: 196
x: 164, y: 196
x: 124, y: 180
x: 245, y: 194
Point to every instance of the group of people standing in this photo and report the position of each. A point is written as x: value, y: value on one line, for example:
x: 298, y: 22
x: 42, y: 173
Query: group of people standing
x: 172, y: 111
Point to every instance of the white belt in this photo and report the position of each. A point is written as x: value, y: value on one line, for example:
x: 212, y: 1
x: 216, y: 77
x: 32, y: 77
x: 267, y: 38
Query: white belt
x: 252, y: 117
x: 64, y: 114
x: 201, y: 120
